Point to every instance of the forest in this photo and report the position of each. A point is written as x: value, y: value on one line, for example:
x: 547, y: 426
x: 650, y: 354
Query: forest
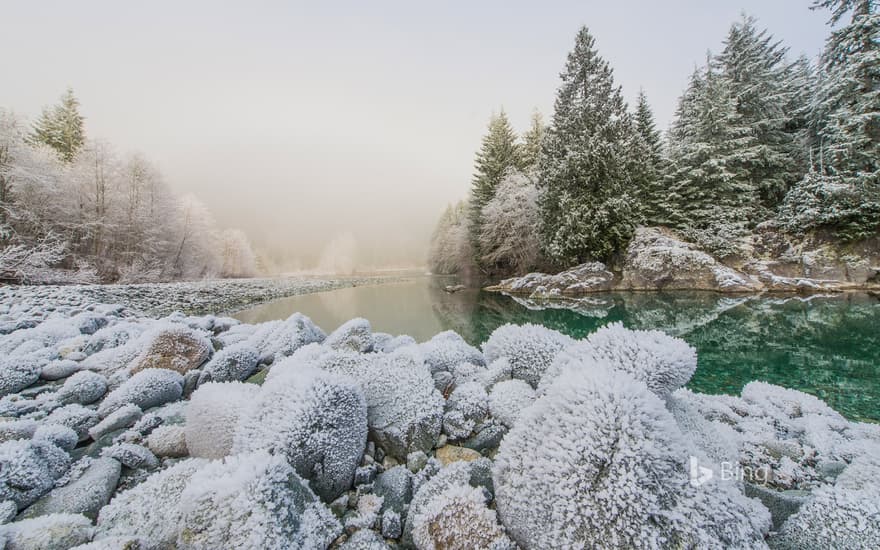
x: 760, y: 142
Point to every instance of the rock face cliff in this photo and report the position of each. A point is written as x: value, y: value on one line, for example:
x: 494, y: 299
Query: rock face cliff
x: 658, y: 259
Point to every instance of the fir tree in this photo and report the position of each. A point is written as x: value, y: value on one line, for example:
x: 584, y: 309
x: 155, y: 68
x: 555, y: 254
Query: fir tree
x: 531, y: 143
x: 646, y: 127
x: 651, y: 188
x: 587, y: 163
x: 61, y: 127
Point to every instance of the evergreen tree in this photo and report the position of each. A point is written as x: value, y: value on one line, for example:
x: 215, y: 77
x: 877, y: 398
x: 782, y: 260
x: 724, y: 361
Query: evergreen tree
x: 531, y: 143
x: 587, y: 166
x: 646, y: 127
x: 498, y: 156
x: 61, y: 127
x: 651, y: 188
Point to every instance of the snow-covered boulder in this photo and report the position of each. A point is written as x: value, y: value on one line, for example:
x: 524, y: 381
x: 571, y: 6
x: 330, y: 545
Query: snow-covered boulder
x: 87, y: 489
x: 131, y: 455
x: 528, y: 348
x: 76, y: 417
x: 213, y: 414
x: 466, y: 407
x: 175, y: 348
x: 148, y: 388
x: 123, y: 417
x: 168, y: 441
x: 253, y: 501
x: 17, y: 372
x: 231, y: 364
x: 282, y: 338
x: 507, y: 400
x: 84, y: 387
x: 446, y: 350
x: 364, y: 539
x: 28, y: 470
x: 353, y: 335
x: 52, y: 532
x: 387, y: 343
x: 603, y: 429
x: 458, y: 519
x: 58, y: 369
x: 58, y: 435
x: 18, y: 429
x: 316, y: 419
x: 581, y: 279
x: 663, y: 362
x: 114, y: 543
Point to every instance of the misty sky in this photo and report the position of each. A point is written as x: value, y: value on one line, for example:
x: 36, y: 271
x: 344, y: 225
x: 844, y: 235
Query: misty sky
x: 356, y: 121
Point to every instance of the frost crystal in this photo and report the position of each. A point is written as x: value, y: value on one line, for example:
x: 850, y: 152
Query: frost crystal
x: 446, y: 350
x: 212, y: 415
x: 148, y: 388
x: 466, y: 407
x: 508, y: 399
x: 458, y: 519
x: 51, y: 532
x: 231, y: 364
x: 529, y: 349
x: 83, y: 387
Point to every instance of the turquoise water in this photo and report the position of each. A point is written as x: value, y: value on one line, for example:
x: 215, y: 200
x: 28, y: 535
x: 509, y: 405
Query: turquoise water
x: 828, y: 346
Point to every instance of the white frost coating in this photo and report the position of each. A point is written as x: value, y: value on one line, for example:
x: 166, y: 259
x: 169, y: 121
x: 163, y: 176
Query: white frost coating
x: 507, y: 400
x: 719, y: 441
x: 458, y: 519
x: 843, y: 515
x: 28, y: 470
x: 497, y: 371
x: 45, y: 335
x: 529, y: 348
x: 367, y: 512
x: 62, y: 437
x: 283, y: 338
x: 466, y: 407
x: 364, y: 539
x: 168, y: 441
x: 17, y: 372
x: 83, y: 387
x: 131, y: 455
x: 174, y: 347
x: 150, y: 509
x: 231, y: 364
x: 148, y: 388
x: 447, y: 349
x: 114, y: 543
x: 50, y: 532
x: 123, y: 417
x: 212, y: 415
x: 456, y: 473
x: 253, y: 501
x: 316, y: 419
x: 110, y: 361
x: 353, y: 335
x: 23, y: 428
x: 663, y: 362
x: 113, y: 336
x: 391, y: 343
x: 607, y: 432
x: 76, y: 417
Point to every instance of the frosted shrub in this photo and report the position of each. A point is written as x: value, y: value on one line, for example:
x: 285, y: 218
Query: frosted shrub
x: 458, y: 519
x: 253, y: 501
x: 466, y: 407
x: 447, y: 350
x: 212, y: 415
x: 231, y: 364
x: 148, y: 388
x: 529, y: 349
x: 316, y: 419
x: 603, y: 429
x: 508, y: 398
x: 663, y: 362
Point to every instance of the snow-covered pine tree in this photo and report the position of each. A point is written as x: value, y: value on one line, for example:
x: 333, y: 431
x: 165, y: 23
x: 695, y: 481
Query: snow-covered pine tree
x: 651, y: 190
x: 587, y: 163
x: 498, y: 156
x: 531, y: 143
x: 61, y: 127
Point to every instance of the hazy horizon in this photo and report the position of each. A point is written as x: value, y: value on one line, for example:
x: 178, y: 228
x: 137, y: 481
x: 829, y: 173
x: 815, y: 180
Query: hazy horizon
x: 343, y: 132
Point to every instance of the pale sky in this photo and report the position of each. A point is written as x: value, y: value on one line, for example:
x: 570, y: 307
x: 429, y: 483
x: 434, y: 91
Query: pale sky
x: 305, y: 122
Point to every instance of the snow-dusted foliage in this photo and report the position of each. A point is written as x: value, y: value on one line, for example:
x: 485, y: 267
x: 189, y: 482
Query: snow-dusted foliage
x: 530, y: 349
x: 76, y: 417
x: 353, y: 335
x: 231, y: 364
x: 663, y: 362
x: 83, y: 387
x: 173, y: 347
x: 507, y: 400
x: 212, y: 415
x: 466, y: 407
x: 51, y: 532
x: 446, y: 350
x: 148, y: 388
x: 605, y: 430
x: 316, y: 419
x: 28, y: 470
x: 507, y: 233
x: 150, y: 510
x: 253, y: 501
x: 458, y: 519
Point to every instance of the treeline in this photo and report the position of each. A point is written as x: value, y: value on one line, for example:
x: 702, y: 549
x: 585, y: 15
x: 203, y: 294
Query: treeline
x: 759, y: 142
x: 72, y: 210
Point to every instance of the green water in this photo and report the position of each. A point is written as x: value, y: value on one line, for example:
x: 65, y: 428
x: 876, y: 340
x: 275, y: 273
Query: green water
x: 828, y: 346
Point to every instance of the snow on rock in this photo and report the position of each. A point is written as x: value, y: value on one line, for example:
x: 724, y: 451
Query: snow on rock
x: 447, y: 349
x: 114, y: 543
x: 603, y: 429
x: 28, y: 470
x: 62, y: 437
x: 18, y: 429
x: 507, y: 400
x: 58, y: 369
x: 581, y: 279
x: 282, y: 338
x: 148, y: 388
x: 353, y: 335
x: 131, y: 455
x: 76, y: 417
x: 364, y: 539
x: 114, y: 336
x: 316, y: 419
x: 466, y: 407
x: 366, y: 514
x: 168, y: 441
x: 212, y: 415
x: 123, y: 417
x: 175, y: 348
x: 85, y: 493
x: 253, y: 501
x: 663, y: 362
x: 387, y: 343
x: 458, y: 519
x: 52, y: 532
x: 149, y: 510
x: 83, y: 387
x: 529, y: 349
x: 231, y: 364
x: 17, y: 372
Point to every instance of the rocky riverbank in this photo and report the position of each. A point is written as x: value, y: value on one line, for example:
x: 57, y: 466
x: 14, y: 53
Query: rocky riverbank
x: 658, y: 259
x: 126, y: 431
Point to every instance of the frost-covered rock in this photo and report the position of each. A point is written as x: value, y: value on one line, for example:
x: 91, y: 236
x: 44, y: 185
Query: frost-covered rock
x: 114, y: 543
x: 58, y: 435
x: 282, y: 338
x: 148, y: 388
x: 353, y: 335
x: 391, y: 343
x: 85, y: 493
x: 8, y: 511
x: 213, y: 414
x: 149, y: 510
x: 76, y: 417
x: 52, y: 532
x: 395, y: 486
x: 176, y: 348
x: 18, y: 429
x: 84, y: 387
x: 581, y: 279
x: 123, y: 417
x: 18, y: 372
x: 253, y: 501
x: 168, y: 441
x: 446, y: 350
x: 603, y: 429
x: 28, y: 470
x: 364, y: 539
x: 458, y: 519
x: 366, y: 514
x: 131, y: 455
x: 507, y: 400
x: 466, y: 407
x: 232, y: 364
x: 316, y: 419
x: 528, y: 348
x: 58, y: 369
x: 663, y: 362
